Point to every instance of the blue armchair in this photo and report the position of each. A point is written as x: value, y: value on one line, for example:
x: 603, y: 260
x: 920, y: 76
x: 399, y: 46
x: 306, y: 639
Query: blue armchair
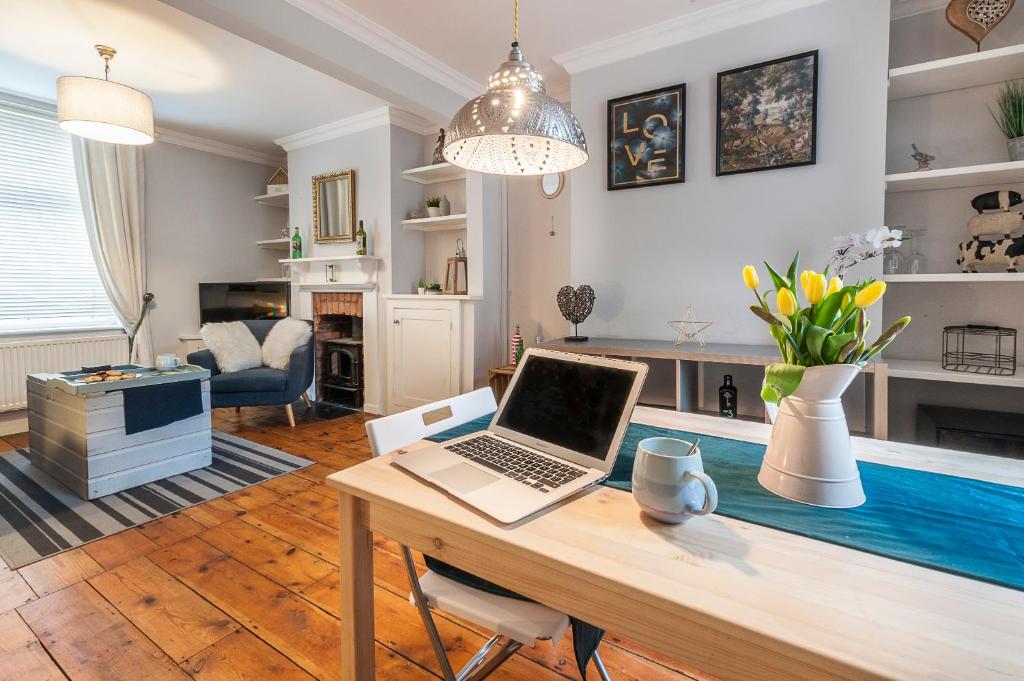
x: 262, y: 386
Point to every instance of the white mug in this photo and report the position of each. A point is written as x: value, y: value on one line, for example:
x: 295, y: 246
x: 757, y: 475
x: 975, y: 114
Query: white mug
x: 167, y: 362
x: 669, y: 483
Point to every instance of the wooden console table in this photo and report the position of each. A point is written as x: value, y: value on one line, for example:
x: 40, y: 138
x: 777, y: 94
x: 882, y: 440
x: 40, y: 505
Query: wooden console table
x: 690, y: 362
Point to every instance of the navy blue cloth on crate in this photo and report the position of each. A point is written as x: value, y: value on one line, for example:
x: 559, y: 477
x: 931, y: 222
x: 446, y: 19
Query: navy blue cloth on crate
x: 152, y: 406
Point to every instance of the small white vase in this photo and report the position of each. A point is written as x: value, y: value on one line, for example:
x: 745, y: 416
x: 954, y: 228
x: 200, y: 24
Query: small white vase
x: 809, y: 458
x: 433, y: 211
x: 1015, y: 148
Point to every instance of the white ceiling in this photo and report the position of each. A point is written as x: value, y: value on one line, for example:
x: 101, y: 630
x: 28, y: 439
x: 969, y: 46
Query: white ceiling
x: 203, y: 80
x: 473, y: 36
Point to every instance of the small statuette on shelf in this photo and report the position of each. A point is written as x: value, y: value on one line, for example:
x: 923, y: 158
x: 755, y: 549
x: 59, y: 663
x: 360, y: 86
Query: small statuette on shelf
x: 924, y: 160
x: 446, y: 206
x: 517, y: 347
x: 439, y: 149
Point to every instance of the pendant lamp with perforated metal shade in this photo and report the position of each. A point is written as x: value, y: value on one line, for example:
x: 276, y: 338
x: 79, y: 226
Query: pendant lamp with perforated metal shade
x: 515, y: 128
x: 102, y: 109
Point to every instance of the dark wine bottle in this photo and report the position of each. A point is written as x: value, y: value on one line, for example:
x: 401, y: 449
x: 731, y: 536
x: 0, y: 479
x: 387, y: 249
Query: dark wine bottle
x: 727, y: 398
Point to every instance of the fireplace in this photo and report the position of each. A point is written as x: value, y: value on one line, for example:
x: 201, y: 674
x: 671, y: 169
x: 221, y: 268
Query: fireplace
x: 338, y: 341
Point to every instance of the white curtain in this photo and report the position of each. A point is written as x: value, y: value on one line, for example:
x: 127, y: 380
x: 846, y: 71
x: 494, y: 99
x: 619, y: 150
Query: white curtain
x: 110, y: 182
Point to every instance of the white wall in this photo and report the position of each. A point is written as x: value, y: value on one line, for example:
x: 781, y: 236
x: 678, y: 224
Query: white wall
x: 650, y: 252
x: 201, y: 225
x: 538, y: 262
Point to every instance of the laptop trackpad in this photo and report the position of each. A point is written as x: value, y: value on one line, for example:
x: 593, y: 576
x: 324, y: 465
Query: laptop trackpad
x: 463, y: 478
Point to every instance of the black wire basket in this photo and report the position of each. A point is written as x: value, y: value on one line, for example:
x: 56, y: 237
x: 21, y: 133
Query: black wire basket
x: 979, y: 349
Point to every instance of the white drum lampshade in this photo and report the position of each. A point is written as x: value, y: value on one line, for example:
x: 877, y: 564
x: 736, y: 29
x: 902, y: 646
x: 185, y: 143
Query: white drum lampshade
x: 104, y: 110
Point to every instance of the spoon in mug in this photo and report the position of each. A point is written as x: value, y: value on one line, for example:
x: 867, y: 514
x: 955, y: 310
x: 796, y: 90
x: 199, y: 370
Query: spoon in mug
x: 693, y: 447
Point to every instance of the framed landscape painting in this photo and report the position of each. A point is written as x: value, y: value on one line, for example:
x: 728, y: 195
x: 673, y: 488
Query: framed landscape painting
x: 767, y: 115
x: 647, y: 138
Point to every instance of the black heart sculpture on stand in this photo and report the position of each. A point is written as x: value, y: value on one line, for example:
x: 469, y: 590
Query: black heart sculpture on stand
x: 576, y: 305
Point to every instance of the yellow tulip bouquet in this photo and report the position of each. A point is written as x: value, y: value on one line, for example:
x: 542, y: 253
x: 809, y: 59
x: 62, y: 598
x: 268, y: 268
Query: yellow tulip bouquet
x: 831, y: 329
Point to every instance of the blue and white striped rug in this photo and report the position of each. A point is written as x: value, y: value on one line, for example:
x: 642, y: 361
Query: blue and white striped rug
x: 40, y: 517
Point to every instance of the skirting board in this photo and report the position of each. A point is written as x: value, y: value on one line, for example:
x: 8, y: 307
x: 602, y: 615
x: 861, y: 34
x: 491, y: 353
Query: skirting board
x: 12, y: 422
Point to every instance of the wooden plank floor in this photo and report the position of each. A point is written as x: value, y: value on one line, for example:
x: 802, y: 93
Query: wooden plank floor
x: 245, y: 587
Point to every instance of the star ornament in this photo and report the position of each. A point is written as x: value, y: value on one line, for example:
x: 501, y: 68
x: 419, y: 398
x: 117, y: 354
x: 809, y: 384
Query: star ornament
x: 689, y: 329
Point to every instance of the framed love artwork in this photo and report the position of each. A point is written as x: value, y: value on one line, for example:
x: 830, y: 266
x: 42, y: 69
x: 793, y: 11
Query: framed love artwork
x: 647, y: 138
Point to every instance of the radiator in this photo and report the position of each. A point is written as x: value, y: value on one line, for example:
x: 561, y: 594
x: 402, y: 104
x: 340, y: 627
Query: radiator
x: 20, y: 358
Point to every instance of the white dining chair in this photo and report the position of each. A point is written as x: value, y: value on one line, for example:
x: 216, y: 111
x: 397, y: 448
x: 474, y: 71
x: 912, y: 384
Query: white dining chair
x: 517, y: 622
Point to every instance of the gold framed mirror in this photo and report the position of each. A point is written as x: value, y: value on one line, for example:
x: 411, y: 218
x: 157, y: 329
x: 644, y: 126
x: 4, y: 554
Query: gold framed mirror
x: 334, y: 207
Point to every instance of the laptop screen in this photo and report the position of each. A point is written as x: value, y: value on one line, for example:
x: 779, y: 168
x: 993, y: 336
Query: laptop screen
x: 568, y: 403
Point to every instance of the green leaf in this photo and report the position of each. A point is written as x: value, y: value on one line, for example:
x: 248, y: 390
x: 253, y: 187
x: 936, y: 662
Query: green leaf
x: 777, y: 279
x: 825, y: 314
x: 791, y: 275
x: 780, y: 380
x: 816, y: 337
x: 831, y: 351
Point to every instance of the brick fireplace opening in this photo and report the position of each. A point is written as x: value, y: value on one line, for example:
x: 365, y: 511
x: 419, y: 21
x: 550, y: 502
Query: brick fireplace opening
x: 338, y: 338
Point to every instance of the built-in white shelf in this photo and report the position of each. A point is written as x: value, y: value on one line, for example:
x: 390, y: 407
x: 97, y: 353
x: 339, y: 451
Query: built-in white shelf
x: 338, y: 287
x: 282, y: 244
x: 275, y: 200
x: 434, y: 174
x: 956, y: 73
x: 953, y: 277
x: 330, y: 258
x: 439, y: 224
x: 433, y: 296
x: 932, y: 371
x: 1009, y: 172
x: 274, y: 279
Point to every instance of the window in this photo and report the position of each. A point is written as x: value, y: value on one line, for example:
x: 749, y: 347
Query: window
x: 48, y: 279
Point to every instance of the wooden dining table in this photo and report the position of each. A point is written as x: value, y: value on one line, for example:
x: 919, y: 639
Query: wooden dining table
x: 736, y: 600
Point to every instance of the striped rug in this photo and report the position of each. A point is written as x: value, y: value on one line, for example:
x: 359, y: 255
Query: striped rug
x: 40, y: 517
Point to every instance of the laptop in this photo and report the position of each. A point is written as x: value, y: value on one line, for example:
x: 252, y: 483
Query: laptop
x: 557, y: 431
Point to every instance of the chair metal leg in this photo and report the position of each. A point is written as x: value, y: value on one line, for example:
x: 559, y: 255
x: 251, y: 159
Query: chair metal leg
x: 428, y: 620
x: 496, y: 660
x: 291, y: 415
x: 305, y: 398
x: 601, y: 671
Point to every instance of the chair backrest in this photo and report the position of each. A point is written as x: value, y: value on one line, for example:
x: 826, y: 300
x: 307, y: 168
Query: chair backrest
x: 260, y: 327
x: 389, y: 433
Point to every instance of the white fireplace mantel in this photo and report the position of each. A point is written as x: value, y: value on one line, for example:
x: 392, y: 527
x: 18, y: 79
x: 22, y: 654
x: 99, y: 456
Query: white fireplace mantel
x: 337, y: 287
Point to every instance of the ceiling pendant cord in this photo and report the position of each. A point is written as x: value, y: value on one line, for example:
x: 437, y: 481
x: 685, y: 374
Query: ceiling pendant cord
x: 106, y: 54
x: 515, y: 23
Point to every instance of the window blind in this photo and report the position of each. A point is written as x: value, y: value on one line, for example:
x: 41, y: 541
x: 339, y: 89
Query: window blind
x: 48, y: 279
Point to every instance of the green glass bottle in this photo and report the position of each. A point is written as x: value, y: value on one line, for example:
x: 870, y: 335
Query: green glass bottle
x: 360, y: 240
x: 296, y: 245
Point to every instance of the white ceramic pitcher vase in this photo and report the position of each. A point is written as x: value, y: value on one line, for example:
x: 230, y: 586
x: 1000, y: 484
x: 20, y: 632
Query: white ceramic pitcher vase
x: 809, y: 458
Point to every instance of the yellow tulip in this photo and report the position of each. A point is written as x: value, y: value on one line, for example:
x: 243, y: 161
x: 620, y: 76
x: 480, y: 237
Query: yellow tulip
x: 750, y: 277
x: 869, y: 295
x: 814, y: 286
x: 834, y: 284
x: 786, y: 302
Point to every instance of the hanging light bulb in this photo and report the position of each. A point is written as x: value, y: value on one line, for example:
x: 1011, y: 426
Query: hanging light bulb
x: 102, y: 109
x: 515, y: 128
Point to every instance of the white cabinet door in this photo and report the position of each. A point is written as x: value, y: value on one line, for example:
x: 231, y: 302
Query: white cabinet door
x: 423, y: 362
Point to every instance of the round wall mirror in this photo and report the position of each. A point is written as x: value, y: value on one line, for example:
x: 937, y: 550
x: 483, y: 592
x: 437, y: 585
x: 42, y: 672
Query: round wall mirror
x: 551, y: 184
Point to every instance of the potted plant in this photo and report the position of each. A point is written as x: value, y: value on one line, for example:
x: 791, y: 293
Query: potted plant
x: 823, y: 345
x: 434, y: 289
x: 1010, y: 117
x: 421, y: 287
x: 433, y: 206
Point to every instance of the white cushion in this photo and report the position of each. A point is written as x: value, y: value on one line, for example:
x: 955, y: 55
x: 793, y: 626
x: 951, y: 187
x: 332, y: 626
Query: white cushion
x: 285, y: 336
x: 233, y: 346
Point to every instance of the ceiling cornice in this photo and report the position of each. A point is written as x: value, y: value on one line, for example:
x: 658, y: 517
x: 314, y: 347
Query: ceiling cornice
x: 901, y: 9
x: 674, y: 31
x: 352, y: 23
x: 385, y: 115
x: 182, y: 139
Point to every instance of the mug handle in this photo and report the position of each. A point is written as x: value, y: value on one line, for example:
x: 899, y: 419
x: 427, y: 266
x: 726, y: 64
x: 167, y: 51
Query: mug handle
x: 177, y: 362
x: 710, y: 492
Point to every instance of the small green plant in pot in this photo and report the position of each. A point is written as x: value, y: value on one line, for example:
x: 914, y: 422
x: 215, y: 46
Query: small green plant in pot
x: 421, y: 286
x: 1009, y: 116
x: 434, y: 289
x: 433, y: 206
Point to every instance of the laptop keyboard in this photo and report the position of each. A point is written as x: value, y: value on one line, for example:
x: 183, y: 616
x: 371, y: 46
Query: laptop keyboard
x: 521, y: 465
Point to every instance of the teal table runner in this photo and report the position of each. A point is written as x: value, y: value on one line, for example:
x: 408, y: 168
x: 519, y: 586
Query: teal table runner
x: 958, y: 525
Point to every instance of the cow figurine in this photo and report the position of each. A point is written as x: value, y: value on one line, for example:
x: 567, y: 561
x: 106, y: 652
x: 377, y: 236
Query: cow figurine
x: 984, y: 252
x: 996, y: 201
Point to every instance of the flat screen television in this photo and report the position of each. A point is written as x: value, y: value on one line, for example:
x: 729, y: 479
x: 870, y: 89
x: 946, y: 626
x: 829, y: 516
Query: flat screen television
x: 239, y: 300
